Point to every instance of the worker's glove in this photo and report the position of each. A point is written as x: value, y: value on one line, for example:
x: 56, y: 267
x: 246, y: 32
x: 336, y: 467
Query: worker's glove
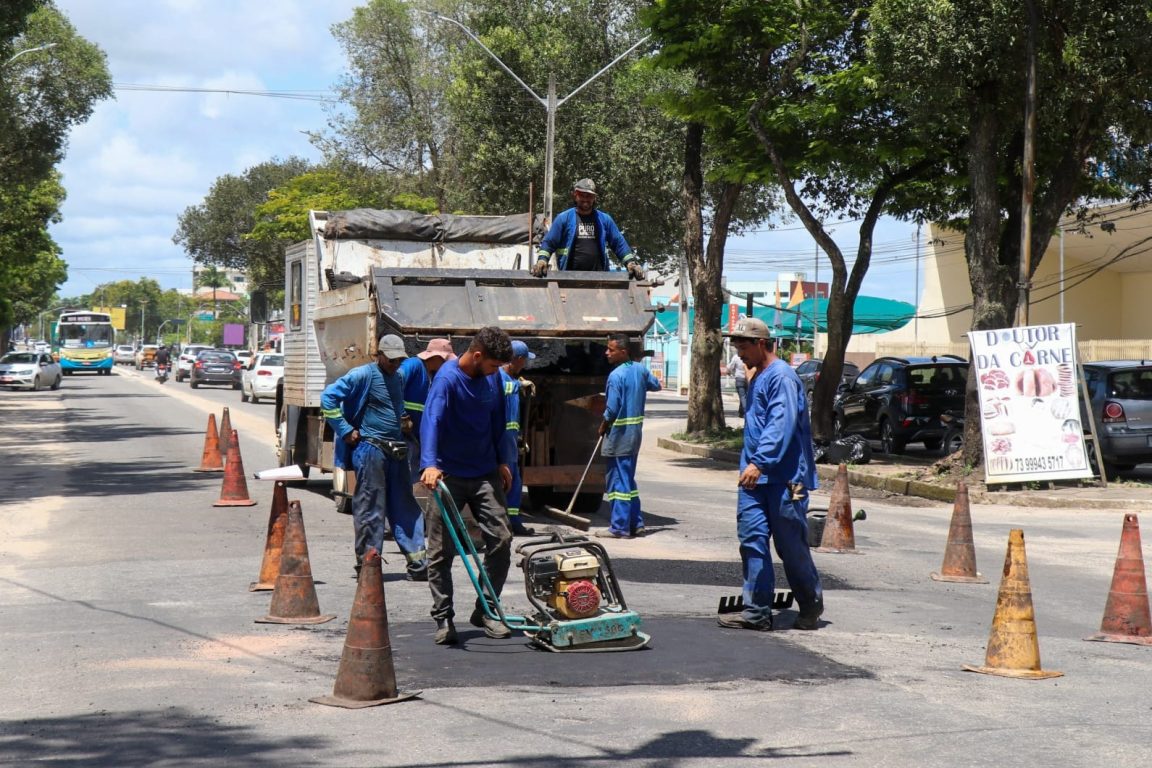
x: 635, y: 271
x: 406, y: 424
x: 521, y: 446
x: 528, y: 387
x: 540, y: 269
x: 604, y: 427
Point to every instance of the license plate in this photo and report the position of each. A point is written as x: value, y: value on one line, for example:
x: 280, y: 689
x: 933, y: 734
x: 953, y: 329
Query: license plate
x: 6, y: 379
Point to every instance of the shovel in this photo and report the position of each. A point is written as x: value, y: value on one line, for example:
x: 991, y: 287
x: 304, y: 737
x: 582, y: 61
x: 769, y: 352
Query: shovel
x: 565, y: 515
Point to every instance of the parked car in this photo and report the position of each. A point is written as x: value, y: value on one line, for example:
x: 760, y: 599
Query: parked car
x: 187, y: 358
x: 1120, y: 398
x: 33, y: 370
x: 215, y: 366
x: 145, y: 356
x: 809, y: 372
x: 899, y: 400
x: 261, y: 376
x: 125, y: 354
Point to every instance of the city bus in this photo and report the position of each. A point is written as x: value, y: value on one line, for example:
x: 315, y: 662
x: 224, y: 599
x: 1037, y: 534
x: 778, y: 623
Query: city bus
x: 83, y: 341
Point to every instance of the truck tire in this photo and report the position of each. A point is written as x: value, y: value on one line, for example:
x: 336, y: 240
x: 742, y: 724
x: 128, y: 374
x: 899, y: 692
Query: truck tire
x: 541, y: 496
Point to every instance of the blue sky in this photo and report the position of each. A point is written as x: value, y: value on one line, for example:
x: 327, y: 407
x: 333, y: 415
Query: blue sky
x: 146, y: 156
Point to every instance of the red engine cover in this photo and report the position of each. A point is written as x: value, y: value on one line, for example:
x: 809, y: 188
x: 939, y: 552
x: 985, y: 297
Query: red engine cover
x: 583, y: 599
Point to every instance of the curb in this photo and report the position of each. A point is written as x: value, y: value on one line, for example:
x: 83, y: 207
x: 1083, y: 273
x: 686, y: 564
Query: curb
x: 918, y: 488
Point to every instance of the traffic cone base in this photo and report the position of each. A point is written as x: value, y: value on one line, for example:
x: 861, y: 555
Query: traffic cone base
x: 294, y: 598
x: 839, y: 538
x: 1126, y: 614
x: 1013, y: 647
x: 367, y: 677
x: 234, y: 490
x: 273, y: 542
x: 211, y: 460
x: 977, y: 579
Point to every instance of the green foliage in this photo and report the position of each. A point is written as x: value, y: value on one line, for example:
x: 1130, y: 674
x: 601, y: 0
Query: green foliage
x: 30, y: 264
x: 283, y: 217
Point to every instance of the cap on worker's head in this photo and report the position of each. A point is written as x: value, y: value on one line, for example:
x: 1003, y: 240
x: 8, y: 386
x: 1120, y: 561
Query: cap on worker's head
x: 391, y: 346
x: 438, y: 348
x: 750, y: 328
x: 520, y: 349
x: 585, y: 185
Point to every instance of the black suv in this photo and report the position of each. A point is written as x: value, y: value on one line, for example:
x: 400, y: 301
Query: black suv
x: 899, y: 400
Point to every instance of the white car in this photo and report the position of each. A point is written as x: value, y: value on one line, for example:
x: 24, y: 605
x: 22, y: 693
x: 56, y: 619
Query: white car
x: 261, y: 376
x: 33, y: 370
x: 187, y: 358
x: 125, y: 354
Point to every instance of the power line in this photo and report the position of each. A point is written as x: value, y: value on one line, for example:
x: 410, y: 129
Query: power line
x: 295, y: 95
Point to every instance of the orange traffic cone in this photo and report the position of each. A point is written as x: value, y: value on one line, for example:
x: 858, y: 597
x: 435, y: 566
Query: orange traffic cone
x: 225, y: 433
x: 838, y: 535
x: 959, y: 552
x: 234, y: 491
x: 294, y: 599
x: 1126, y: 617
x: 1013, y: 649
x: 367, y: 677
x: 274, y: 542
x: 211, y: 461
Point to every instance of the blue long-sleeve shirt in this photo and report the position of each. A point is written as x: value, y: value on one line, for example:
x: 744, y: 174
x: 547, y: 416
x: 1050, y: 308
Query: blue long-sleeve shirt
x: 463, y: 431
x: 416, y: 381
x: 345, y: 405
x: 628, y: 386
x: 562, y: 234
x: 777, y: 429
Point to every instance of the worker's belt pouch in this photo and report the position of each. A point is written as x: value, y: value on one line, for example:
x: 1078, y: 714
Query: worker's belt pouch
x: 393, y: 449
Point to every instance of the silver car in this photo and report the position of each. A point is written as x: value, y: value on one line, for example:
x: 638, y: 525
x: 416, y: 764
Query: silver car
x: 1120, y: 392
x: 33, y: 370
x: 261, y: 376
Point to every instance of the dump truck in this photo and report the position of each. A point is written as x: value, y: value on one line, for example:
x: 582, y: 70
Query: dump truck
x: 364, y: 273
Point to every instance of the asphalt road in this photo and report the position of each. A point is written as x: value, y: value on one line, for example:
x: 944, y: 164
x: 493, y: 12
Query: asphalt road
x: 128, y: 635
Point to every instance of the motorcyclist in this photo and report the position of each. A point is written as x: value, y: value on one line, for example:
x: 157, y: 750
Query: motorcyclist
x: 585, y: 239
x: 162, y: 359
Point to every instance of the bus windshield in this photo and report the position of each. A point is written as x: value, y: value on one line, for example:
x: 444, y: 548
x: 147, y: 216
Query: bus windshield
x: 85, y: 331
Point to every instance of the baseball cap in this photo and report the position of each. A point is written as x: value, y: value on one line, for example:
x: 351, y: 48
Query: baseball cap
x: 585, y: 185
x: 392, y: 346
x: 438, y: 348
x: 750, y: 328
x: 520, y: 349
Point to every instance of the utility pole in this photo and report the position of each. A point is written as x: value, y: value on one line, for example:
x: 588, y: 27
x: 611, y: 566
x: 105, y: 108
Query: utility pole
x: 549, y: 103
x: 1029, y: 171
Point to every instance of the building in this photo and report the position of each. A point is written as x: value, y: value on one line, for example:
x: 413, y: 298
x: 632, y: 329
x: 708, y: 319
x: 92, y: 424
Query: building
x: 237, y: 279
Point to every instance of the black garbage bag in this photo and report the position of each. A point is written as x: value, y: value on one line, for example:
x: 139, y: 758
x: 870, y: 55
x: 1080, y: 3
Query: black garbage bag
x: 852, y: 449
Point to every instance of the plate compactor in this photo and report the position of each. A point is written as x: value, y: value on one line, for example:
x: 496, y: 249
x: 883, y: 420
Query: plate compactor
x: 576, y: 600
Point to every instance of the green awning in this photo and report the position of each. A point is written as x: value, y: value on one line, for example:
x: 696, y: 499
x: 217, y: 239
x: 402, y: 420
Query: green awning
x: 872, y: 315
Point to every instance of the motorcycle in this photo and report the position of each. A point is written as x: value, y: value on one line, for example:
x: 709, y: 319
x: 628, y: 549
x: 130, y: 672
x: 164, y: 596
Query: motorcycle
x: 161, y: 372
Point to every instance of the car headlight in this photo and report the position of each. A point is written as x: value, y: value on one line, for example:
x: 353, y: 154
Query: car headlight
x: 23, y: 371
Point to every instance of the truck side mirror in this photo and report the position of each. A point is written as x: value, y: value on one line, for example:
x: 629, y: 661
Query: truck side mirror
x: 258, y: 306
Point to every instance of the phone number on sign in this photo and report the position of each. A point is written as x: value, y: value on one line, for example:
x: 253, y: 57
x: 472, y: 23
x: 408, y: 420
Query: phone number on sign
x: 1037, y: 463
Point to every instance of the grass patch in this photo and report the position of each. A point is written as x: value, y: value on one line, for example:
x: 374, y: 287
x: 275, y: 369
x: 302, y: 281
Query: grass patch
x: 728, y: 438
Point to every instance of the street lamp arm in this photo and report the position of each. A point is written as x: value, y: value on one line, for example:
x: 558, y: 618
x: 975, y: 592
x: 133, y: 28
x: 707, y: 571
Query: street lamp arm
x: 607, y: 67
x: 18, y: 54
x: 472, y: 36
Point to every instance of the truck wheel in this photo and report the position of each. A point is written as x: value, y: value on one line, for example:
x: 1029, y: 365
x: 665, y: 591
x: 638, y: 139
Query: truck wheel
x: 587, y: 503
x: 541, y: 496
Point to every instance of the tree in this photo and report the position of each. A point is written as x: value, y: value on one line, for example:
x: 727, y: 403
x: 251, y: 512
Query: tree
x: 212, y: 277
x: 214, y: 233
x: 30, y: 264
x: 787, y: 91
x: 960, y: 69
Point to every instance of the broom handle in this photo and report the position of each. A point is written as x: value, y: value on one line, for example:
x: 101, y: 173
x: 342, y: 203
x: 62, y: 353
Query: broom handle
x: 587, y: 467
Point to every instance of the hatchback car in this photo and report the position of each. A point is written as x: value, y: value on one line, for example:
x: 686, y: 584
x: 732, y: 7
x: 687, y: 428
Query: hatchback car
x: 186, y: 359
x: 809, y: 372
x: 215, y: 366
x: 899, y: 401
x: 125, y: 354
x: 261, y: 377
x: 33, y: 370
x: 146, y: 356
x: 1120, y: 395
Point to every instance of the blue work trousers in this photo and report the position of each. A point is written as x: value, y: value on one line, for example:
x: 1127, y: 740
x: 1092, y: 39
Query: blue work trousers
x: 384, y: 489
x: 769, y: 511
x: 623, y: 495
x: 516, y: 492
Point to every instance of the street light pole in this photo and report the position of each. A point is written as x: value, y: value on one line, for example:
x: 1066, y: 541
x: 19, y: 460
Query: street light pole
x: 550, y: 104
x: 18, y: 54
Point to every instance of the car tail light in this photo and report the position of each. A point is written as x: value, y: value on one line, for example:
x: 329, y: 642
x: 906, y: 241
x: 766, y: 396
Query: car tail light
x: 911, y: 399
x: 1113, y: 412
x: 199, y: 364
x: 263, y: 372
x: 236, y: 366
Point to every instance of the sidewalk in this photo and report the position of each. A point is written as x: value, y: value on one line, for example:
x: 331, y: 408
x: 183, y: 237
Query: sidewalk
x: 896, y: 474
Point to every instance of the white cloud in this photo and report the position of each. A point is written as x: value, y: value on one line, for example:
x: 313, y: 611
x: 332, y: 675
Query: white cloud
x: 144, y: 157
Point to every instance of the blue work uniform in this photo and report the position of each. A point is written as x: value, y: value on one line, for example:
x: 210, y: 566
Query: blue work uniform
x: 370, y: 401
x: 628, y: 387
x: 416, y: 381
x: 778, y: 440
x: 562, y: 234
x: 512, y: 428
x: 463, y: 434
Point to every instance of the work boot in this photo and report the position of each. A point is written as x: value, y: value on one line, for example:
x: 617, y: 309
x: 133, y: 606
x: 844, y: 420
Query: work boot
x: 519, y: 529
x: 445, y: 632
x: 737, y: 621
x: 608, y: 533
x: 417, y: 573
x: 493, y: 628
x: 809, y: 617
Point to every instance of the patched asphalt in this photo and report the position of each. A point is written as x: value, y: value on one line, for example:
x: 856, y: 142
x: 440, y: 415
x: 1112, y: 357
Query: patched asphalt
x: 706, y: 573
